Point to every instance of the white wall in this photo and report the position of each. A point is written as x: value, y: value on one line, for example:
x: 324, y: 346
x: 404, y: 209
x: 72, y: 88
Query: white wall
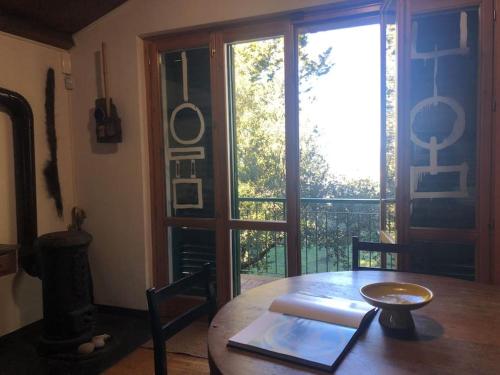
x: 23, y: 68
x: 114, y: 188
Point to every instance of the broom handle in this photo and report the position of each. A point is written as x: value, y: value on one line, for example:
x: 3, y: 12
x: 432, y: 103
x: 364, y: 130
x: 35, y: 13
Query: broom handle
x: 105, y: 79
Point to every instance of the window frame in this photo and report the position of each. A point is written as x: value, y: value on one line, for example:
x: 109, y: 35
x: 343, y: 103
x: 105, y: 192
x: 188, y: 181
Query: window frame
x: 216, y: 36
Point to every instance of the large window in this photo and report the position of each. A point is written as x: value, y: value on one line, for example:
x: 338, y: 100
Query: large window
x: 279, y: 140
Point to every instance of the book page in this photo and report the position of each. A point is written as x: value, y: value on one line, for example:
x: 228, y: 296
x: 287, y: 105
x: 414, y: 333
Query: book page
x: 331, y: 310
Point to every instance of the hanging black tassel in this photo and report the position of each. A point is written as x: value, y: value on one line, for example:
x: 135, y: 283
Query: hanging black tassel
x: 51, y: 172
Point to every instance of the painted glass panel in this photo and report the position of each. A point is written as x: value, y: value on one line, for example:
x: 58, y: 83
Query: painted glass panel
x: 188, y: 132
x: 443, y: 119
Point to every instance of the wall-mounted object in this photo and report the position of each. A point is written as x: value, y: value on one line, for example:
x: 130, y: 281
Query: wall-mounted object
x: 19, y: 111
x: 66, y: 71
x: 51, y: 171
x: 8, y: 259
x: 108, y: 124
x: 78, y: 216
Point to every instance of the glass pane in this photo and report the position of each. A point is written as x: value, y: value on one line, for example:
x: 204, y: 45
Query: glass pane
x: 260, y: 257
x: 339, y: 92
x: 390, y: 221
x: 389, y: 127
x: 392, y: 261
x: 257, y: 125
x: 390, y: 110
x: 188, y: 132
x: 190, y: 249
x: 443, y: 100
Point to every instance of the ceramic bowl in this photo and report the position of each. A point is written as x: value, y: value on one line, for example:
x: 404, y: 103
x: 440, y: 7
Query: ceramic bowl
x: 396, y: 301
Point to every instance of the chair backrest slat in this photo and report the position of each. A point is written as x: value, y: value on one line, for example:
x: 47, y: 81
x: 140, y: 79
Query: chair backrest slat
x: 196, y: 279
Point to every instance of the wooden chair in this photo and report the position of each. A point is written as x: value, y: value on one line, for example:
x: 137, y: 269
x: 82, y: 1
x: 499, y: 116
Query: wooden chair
x: 162, y: 332
x: 386, y: 248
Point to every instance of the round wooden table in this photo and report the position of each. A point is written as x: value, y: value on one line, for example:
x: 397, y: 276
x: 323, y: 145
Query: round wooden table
x: 457, y: 333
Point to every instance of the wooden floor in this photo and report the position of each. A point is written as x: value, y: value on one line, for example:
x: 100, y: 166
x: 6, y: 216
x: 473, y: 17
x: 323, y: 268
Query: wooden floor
x: 141, y: 362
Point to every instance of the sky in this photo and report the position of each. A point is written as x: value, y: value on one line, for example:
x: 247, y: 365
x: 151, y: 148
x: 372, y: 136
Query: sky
x: 347, y: 105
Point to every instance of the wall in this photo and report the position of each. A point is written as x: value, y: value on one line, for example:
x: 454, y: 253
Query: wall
x: 112, y: 184
x: 23, y: 66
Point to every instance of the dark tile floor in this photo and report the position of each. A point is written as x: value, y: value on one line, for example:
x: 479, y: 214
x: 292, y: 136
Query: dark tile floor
x: 18, y: 350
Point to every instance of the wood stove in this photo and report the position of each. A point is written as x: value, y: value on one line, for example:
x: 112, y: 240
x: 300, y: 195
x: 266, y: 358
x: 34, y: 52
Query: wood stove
x: 68, y: 311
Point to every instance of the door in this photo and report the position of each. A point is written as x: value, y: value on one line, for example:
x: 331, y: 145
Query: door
x: 273, y: 142
x: 446, y: 134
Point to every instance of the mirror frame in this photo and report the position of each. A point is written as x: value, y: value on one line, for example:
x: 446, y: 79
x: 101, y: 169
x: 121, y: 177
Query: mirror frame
x: 21, y: 115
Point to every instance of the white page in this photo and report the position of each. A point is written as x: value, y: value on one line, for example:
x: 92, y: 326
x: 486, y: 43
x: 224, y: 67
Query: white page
x: 331, y: 310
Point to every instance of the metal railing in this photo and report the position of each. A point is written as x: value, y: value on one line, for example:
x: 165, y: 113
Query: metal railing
x: 327, y: 226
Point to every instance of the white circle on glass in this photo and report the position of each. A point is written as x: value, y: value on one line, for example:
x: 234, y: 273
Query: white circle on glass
x: 458, y: 125
x: 200, y: 117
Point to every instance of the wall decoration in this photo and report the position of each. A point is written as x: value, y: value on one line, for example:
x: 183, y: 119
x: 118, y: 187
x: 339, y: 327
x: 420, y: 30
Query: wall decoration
x: 186, y: 153
x: 458, y: 127
x: 50, y: 171
x: 187, y: 113
x: 197, y: 152
x: 108, y: 123
x: 443, y: 118
x: 187, y: 192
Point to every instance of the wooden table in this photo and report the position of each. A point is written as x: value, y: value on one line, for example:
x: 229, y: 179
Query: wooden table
x: 457, y: 333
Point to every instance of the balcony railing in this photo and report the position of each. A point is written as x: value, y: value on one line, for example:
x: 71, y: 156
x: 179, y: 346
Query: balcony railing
x: 327, y: 226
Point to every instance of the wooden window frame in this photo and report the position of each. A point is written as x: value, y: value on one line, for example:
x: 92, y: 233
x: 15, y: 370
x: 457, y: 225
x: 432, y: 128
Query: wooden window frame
x: 479, y: 236
x: 288, y: 23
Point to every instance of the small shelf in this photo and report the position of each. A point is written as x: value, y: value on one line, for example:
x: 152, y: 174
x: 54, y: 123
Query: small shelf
x: 8, y: 259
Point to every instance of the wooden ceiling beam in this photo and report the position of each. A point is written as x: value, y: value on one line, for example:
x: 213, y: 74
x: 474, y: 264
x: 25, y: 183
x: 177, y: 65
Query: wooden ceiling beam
x: 20, y: 27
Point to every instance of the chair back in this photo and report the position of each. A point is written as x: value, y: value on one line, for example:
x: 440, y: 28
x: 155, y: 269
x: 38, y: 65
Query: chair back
x: 384, y: 248
x: 433, y: 258
x: 163, y: 331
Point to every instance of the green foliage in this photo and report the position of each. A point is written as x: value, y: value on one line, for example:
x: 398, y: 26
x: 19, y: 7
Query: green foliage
x: 259, y: 117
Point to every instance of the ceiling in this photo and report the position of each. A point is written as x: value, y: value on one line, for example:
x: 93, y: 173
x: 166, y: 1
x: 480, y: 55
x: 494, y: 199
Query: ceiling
x: 51, y: 21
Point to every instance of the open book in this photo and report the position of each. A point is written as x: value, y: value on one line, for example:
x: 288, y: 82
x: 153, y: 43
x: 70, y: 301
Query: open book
x: 306, y: 329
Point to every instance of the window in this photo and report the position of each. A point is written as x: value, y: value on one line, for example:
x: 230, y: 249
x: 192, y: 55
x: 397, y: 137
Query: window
x: 283, y: 138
